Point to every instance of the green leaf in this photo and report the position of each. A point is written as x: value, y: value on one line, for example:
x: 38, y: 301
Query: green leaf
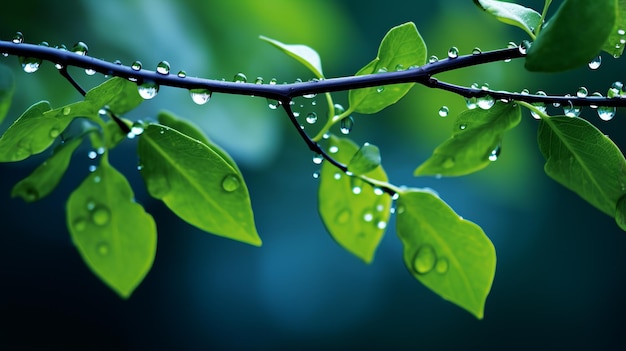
x: 189, y: 129
x: 449, y: 255
x: 573, y: 37
x: 366, y: 159
x: 401, y: 48
x: 33, y: 132
x: 354, y: 213
x: 613, y: 44
x: 113, y: 234
x: 7, y: 87
x: 620, y: 213
x: 302, y: 53
x: 47, y: 176
x: 474, y: 143
x: 584, y: 160
x: 119, y: 94
x: 511, y: 13
x: 196, y: 183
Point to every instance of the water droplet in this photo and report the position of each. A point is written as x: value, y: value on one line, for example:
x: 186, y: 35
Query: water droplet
x: 523, y: 47
x: 378, y: 191
x: 606, y: 113
x: 381, y: 225
x: 595, y: 94
x: 101, y: 216
x: 425, y: 259
x: 433, y: 59
x: 92, y: 168
x: 380, y: 89
x: 92, y: 154
x: 595, y: 62
x: 158, y: 185
x: 273, y: 81
x: 448, y: 163
x: 343, y: 216
x: 90, y: 71
x: 79, y: 224
x: 311, y: 118
x: 539, y: 105
x: 570, y: 110
x: 231, y: 183
x: 54, y: 132
x: 240, y: 78
x: 485, y: 102
x: 30, y: 64
x: 200, y: 96
x: 476, y: 51
x: 163, y: 67
x: 471, y: 103
x: 103, y: 249
x: 453, y: 52
x: 316, y: 174
x: 346, y: 125
x: 337, y: 176
x: 318, y: 159
x: 399, y: 67
x: 495, y: 153
x: 18, y: 38
x: 382, y: 70
x: 462, y: 126
x: 148, y: 90
x: 619, y: 32
x: 333, y: 149
x: 91, y: 205
x: 442, y: 266
x: 80, y: 48
x: 137, y: 128
x: 136, y: 66
x: 443, y: 111
x: 182, y: 74
x: 66, y: 110
x: 355, y: 184
x: 582, y: 92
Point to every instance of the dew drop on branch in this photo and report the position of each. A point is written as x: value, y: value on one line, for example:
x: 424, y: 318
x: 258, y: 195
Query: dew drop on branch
x: 148, y: 90
x: 346, y: 125
x: 30, y: 64
x: 200, y: 96
x: 240, y: 78
x: 595, y: 62
x: 163, y: 67
x: 485, y: 102
x: 476, y: 51
x: 453, y: 52
x: 182, y: 74
x: 18, y: 38
x: 541, y: 106
x: 318, y: 159
x: 433, y: 59
x: 80, y: 48
x: 606, y: 113
x: 582, y: 92
x: 136, y: 66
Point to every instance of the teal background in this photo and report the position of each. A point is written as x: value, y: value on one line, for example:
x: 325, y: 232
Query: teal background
x: 559, y: 280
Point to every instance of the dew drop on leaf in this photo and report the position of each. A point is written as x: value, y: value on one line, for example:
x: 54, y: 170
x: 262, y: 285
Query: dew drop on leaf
x: 425, y: 259
x: 79, y: 224
x: 163, y: 67
x: 337, y: 176
x: 66, y: 110
x: 495, y: 153
x: 595, y: 62
x: 453, y: 52
x: 368, y: 216
x: 90, y: 71
x: 54, y: 132
x: 442, y: 266
x: 343, y: 216
x: 448, y: 163
x: 381, y: 225
x: 136, y: 66
x: 380, y: 89
x: 158, y: 186
x: 346, y: 125
x: 333, y: 149
x: 231, y: 183
x: 80, y: 48
x: 148, y: 90
x: 240, y: 78
x: 200, y: 96
x: 101, y: 216
x: 443, y: 111
x: 103, y: 249
x: 311, y: 118
x: 606, y: 113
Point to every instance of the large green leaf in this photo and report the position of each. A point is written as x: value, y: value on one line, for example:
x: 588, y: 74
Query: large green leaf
x: 114, y: 235
x: 302, y: 53
x: 474, y: 143
x: 189, y: 129
x: 118, y: 94
x: 7, y: 86
x: 354, y: 213
x: 511, y: 13
x: 48, y: 175
x: 451, y: 256
x: 574, y: 36
x: 196, y: 183
x: 584, y: 160
x: 614, y: 44
x: 401, y: 48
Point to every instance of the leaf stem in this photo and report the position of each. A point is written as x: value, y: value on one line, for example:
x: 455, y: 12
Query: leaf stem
x: 546, y: 5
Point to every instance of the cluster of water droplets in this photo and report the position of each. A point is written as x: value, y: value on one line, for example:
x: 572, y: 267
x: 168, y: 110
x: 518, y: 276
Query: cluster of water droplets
x: 484, y: 102
x: 426, y: 261
x: 619, y: 46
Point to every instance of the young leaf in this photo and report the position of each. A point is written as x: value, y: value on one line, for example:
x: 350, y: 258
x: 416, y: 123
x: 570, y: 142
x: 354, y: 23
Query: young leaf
x: 366, y: 159
x: 31, y: 133
x: 302, y: 53
x: 476, y: 137
x: 7, y: 86
x: 183, y: 126
x: 613, y: 44
x: 573, y: 36
x: 354, y: 213
x: 401, y: 48
x: 47, y: 176
x: 584, y: 160
x: 511, y: 13
x: 449, y: 255
x: 114, y: 235
x: 196, y: 183
x: 118, y: 94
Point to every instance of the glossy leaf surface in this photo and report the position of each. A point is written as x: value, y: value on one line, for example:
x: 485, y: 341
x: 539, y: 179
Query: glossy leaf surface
x: 302, y: 53
x: 196, y: 183
x: 113, y: 234
x: 573, y: 37
x: 511, y: 13
x: 47, y: 176
x: 366, y: 159
x: 584, y: 160
x: 7, y: 86
x: 401, y: 48
x: 477, y: 135
x: 451, y: 256
x: 613, y: 44
x: 354, y: 214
